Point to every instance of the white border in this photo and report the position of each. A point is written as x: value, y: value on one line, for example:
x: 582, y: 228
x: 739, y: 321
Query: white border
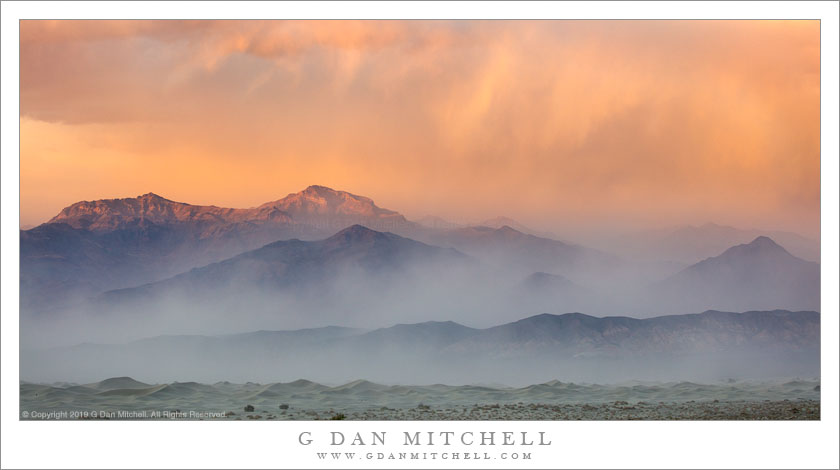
x: 576, y: 445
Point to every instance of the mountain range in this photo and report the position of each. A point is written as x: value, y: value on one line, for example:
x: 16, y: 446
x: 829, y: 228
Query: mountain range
x: 94, y: 246
x: 344, y: 252
x: 361, y: 269
x: 316, y: 205
x: 546, y: 345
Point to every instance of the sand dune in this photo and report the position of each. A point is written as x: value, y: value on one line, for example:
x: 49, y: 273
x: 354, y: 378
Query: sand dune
x: 361, y: 399
x: 118, y: 383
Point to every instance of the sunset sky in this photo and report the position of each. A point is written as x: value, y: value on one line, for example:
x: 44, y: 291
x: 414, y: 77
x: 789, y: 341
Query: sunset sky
x: 559, y: 124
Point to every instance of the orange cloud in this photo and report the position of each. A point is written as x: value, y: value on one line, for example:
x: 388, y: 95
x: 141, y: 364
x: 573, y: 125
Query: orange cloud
x: 559, y: 123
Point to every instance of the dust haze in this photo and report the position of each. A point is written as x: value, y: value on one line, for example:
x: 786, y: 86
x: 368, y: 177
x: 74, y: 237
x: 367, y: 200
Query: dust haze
x: 364, y: 304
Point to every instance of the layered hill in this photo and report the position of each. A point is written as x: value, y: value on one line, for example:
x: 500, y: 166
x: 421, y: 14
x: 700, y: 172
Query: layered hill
x: 708, y: 332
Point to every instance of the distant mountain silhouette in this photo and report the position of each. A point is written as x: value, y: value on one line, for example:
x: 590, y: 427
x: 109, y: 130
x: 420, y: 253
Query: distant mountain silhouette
x: 428, y: 335
x: 512, y: 249
x: 545, y: 282
x: 541, y: 291
x: 501, y: 221
x: 435, y: 222
x: 759, y: 274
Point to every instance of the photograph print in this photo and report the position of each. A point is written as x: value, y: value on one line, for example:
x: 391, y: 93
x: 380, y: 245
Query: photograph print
x: 475, y: 220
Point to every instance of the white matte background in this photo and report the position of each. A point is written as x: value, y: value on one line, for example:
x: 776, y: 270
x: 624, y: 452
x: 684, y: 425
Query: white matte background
x: 274, y: 444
